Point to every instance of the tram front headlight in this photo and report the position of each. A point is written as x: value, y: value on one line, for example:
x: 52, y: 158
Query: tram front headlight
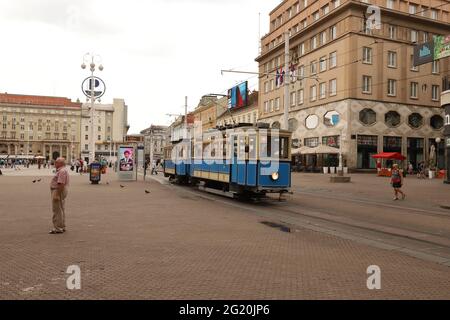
x: 275, y: 176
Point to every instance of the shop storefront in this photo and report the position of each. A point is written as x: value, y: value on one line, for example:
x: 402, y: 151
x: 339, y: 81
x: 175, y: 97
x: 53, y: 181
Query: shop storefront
x: 367, y: 147
x: 416, y: 151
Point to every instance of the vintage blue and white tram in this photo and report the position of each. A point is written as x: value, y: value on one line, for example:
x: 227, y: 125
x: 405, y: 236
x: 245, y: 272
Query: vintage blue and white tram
x: 242, y: 160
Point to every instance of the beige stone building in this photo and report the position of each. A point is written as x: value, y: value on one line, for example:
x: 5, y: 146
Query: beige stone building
x: 354, y: 87
x: 248, y: 114
x: 154, y: 142
x: 110, y: 129
x: 39, y: 126
x: 208, y: 110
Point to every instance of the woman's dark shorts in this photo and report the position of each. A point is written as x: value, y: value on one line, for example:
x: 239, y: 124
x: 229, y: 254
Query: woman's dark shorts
x: 397, y: 185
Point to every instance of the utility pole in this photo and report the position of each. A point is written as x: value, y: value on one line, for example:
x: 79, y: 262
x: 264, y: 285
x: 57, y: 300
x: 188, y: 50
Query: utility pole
x: 286, y: 82
x: 185, y: 117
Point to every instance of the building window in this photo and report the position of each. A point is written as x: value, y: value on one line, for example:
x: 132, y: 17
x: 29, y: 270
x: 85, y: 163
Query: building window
x: 332, y: 141
x: 313, y: 93
x: 301, y: 49
x: 333, y: 87
x: 392, y: 32
x: 435, y: 91
x: 435, y: 67
x: 293, y: 99
x: 312, y: 122
x: 86, y: 137
x: 390, y: 4
x: 333, y: 59
x: 333, y: 32
x: 412, y: 9
x: 313, y: 43
x: 392, y: 59
x: 414, y: 88
x: 336, y: 3
x: 323, y: 64
x: 332, y: 118
x: 437, y: 122
x: 300, y: 96
x: 313, y: 67
x: 414, y: 36
x: 266, y: 107
x: 415, y: 120
x: 277, y: 104
x: 322, y: 90
x: 392, y: 87
x: 413, y: 67
x: 368, y: 117
x: 312, y: 142
x: 434, y: 14
x: 392, y: 144
x: 367, y: 55
x: 323, y: 38
x: 316, y: 15
x: 367, y: 84
x: 392, y: 119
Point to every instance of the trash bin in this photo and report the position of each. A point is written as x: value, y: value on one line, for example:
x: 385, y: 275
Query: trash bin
x: 95, y: 172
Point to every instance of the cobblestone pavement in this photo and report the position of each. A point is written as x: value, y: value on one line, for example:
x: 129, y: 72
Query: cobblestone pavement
x: 172, y: 244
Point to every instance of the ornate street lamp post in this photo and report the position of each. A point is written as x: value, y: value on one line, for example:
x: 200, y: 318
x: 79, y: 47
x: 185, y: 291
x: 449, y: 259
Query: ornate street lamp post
x: 93, y: 60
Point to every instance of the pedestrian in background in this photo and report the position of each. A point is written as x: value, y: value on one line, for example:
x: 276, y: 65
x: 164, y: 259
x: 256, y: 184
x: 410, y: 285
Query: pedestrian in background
x: 59, y: 190
x: 397, y: 182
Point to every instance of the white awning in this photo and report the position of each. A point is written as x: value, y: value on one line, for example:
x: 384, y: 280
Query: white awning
x: 322, y: 149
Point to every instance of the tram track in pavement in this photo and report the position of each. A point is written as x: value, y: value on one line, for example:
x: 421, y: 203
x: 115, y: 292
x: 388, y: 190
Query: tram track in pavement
x: 422, y: 245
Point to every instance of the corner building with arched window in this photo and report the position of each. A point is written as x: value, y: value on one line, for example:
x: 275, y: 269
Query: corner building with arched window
x: 353, y: 87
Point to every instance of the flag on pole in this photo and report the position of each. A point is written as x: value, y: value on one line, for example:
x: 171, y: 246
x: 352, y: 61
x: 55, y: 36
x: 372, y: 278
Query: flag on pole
x: 277, y: 79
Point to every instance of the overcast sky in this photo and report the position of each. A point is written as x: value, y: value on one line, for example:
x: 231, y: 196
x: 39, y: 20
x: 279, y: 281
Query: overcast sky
x: 154, y: 52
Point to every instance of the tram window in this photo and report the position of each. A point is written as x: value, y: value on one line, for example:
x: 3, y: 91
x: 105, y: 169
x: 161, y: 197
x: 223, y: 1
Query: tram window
x: 264, y: 146
x: 284, y: 148
x: 213, y: 147
x: 252, y: 147
x: 242, y: 147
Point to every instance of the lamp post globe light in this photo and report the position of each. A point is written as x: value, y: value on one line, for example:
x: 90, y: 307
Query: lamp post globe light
x: 94, y: 62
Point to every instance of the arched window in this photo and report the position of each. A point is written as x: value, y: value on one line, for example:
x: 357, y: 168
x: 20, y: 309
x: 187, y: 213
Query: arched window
x: 368, y: 117
x: 312, y: 122
x: 332, y: 118
x: 415, y: 120
x: 392, y: 119
x: 437, y: 122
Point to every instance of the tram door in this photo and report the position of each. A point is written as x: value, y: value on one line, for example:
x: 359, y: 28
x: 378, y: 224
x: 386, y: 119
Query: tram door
x: 252, y: 163
x: 234, y: 163
x: 242, y: 161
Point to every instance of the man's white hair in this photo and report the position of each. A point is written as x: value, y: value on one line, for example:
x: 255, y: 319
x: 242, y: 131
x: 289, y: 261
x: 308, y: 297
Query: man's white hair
x: 61, y: 160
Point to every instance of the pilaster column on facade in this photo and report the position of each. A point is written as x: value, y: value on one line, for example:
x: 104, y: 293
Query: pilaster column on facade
x: 405, y: 146
x: 380, y: 143
x: 9, y: 148
x: 50, y: 155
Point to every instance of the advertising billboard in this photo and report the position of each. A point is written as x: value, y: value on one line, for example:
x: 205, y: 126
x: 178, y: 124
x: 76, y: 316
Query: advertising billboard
x: 430, y: 51
x: 126, y: 159
x: 423, y: 53
x: 441, y: 47
x: 126, y: 164
x: 238, y: 96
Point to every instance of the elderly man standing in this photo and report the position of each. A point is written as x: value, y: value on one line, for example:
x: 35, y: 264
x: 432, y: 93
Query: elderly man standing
x: 58, y: 187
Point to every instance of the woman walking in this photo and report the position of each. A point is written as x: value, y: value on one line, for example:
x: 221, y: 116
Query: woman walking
x: 397, y: 182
